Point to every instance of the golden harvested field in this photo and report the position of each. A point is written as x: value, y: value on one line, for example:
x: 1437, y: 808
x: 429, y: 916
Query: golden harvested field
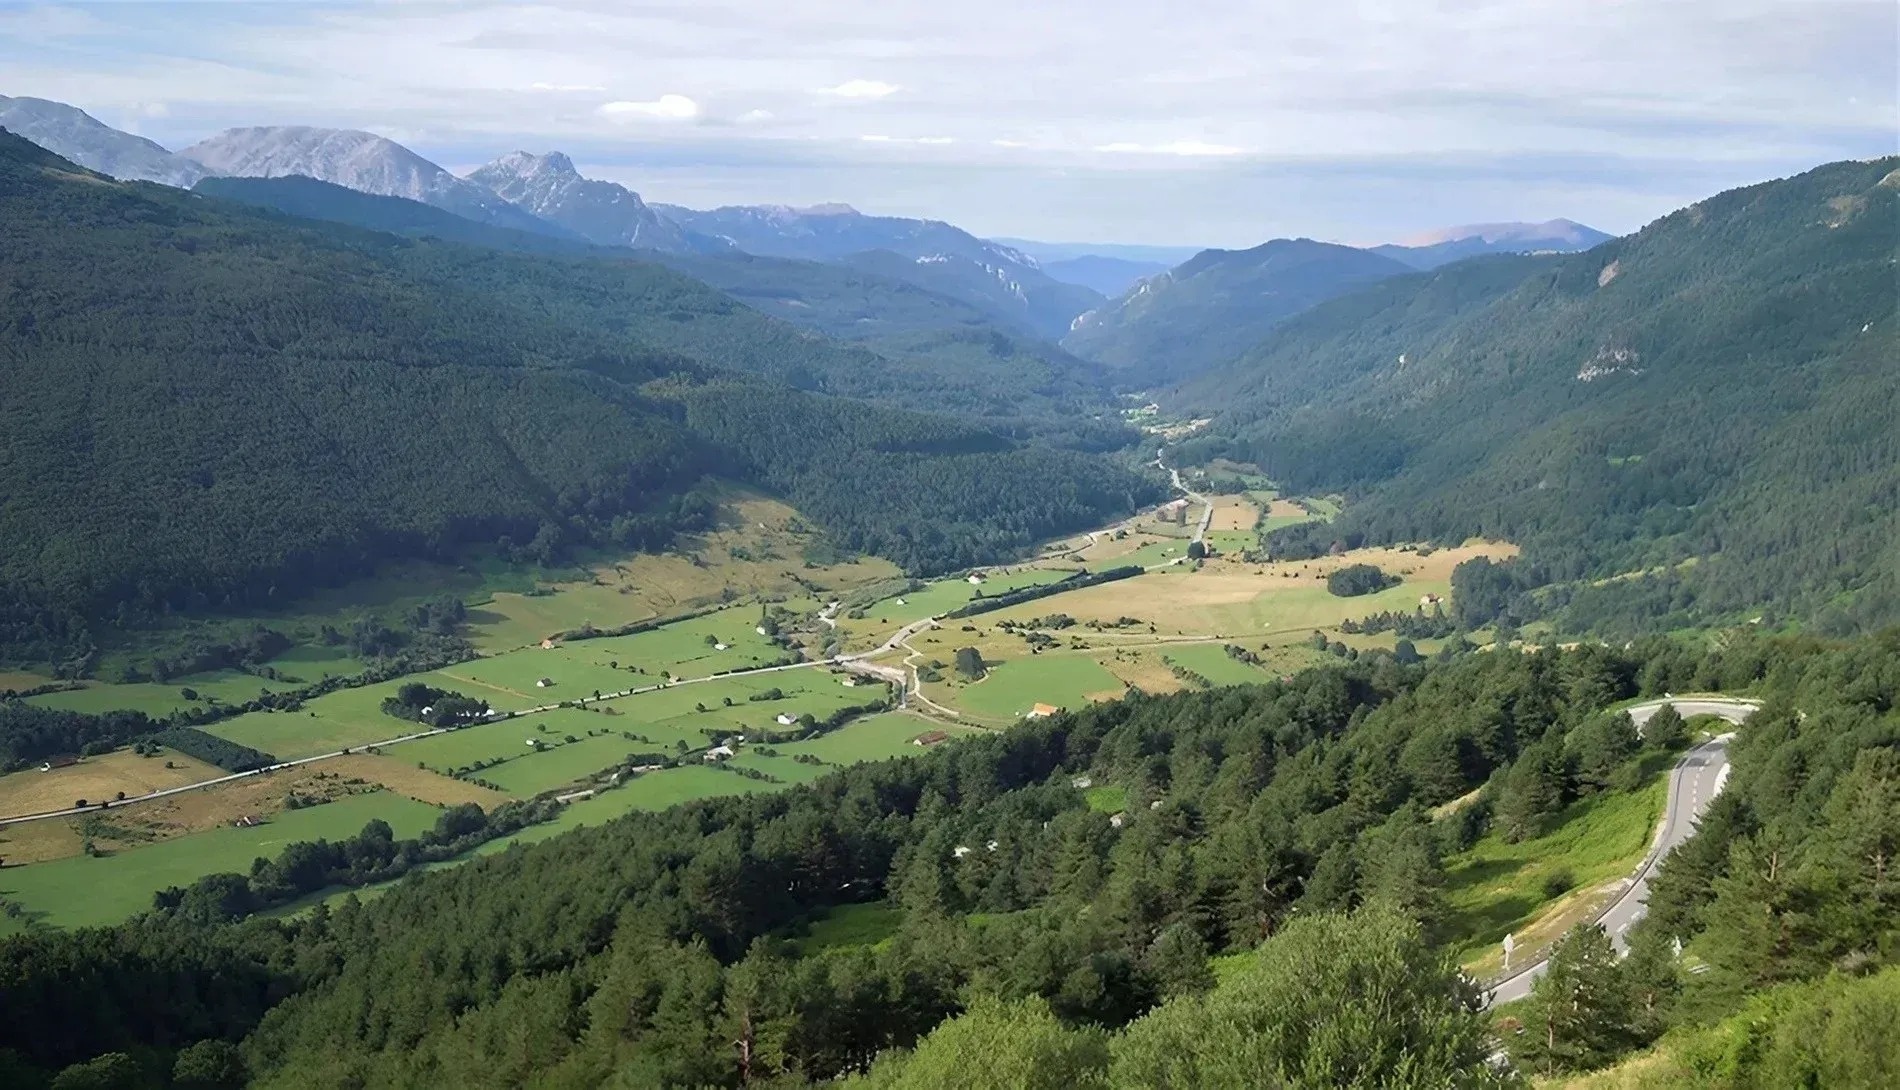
x: 18, y: 680
x: 97, y: 779
x: 757, y: 549
x: 1235, y: 599
x: 1235, y: 513
x: 404, y: 778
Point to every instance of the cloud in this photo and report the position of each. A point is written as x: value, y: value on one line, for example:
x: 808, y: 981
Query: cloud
x: 880, y: 138
x: 1185, y: 148
x: 565, y: 88
x: 754, y: 117
x: 665, y: 108
x: 861, y: 88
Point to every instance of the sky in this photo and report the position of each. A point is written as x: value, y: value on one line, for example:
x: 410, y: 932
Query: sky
x: 1164, y: 122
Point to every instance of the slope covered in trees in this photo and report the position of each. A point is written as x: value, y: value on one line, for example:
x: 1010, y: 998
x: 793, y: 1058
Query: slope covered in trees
x: 1720, y: 386
x: 1211, y: 308
x: 931, y: 350
x: 663, y: 949
x: 209, y: 406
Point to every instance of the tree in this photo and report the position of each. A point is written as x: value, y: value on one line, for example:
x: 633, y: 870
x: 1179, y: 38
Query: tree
x: 970, y: 663
x: 1579, y: 1014
x: 1532, y: 793
x: 112, y: 1071
x: 210, y: 1065
x: 1177, y: 962
x: 1197, y: 550
x: 1330, y: 1001
x: 1665, y: 729
x: 1354, y: 580
x: 1015, y: 1045
x: 1602, y: 747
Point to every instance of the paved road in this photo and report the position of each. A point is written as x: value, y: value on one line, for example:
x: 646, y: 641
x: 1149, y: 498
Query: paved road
x: 1693, y: 784
x: 1207, y: 505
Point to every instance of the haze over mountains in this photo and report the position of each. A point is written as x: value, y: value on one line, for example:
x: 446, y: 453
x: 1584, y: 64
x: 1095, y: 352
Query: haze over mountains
x: 1033, y: 288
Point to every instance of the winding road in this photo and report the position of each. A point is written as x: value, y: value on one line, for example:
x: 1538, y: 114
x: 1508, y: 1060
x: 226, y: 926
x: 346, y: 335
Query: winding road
x: 1693, y: 784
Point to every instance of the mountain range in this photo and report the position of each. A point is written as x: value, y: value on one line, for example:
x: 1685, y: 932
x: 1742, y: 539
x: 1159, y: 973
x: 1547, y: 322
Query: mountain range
x: 1451, y: 244
x: 76, y: 135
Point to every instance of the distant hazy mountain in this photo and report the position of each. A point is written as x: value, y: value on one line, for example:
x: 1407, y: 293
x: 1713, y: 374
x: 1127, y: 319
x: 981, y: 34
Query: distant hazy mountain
x: 607, y: 213
x: 74, y: 134
x: 1007, y: 283
x: 1109, y: 275
x: 1047, y: 252
x: 1457, y: 243
x: 356, y: 160
x: 1212, y: 308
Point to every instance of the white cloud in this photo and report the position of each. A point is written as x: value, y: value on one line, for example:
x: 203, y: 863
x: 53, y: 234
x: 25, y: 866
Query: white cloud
x: 664, y: 108
x: 880, y: 138
x: 1008, y: 144
x: 565, y: 88
x: 1185, y: 148
x: 861, y: 88
x: 754, y: 117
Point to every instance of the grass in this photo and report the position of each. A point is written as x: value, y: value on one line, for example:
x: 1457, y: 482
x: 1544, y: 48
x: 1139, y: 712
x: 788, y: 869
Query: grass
x: 1106, y: 799
x: 1011, y: 688
x: 882, y: 617
x: 1211, y: 661
x: 867, y: 925
x: 83, y: 891
x: 1497, y: 888
x: 99, y: 778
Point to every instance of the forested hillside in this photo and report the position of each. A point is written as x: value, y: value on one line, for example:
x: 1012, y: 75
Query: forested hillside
x: 1716, y: 388
x: 639, y: 952
x: 1209, y: 309
x: 211, y: 406
x: 931, y: 350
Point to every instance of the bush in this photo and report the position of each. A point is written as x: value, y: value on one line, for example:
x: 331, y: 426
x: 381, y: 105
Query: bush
x: 1354, y: 580
x: 1558, y: 882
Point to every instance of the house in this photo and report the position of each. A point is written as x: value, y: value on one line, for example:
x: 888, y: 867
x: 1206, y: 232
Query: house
x: 960, y: 850
x: 249, y: 821
x: 785, y: 719
x: 976, y: 580
x: 850, y: 682
x: 62, y: 761
x: 760, y: 629
x: 719, y: 753
x: 1430, y: 600
x: 547, y: 645
x: 1115, y: 820
x: 930, y: 738
x: 900, y: 601
x: 1041, y: 711
x: 719, y: 647
x: 544, y: 683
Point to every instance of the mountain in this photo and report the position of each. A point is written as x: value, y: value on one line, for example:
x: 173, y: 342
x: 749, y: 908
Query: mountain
x: 76, y: 135
x: 548, y: 187
x: 929, y: 349
x: 1046, y: 252
x: 1109, y: 275
x: 356, y: 160
x: 1211, y: 308
x: 1007, y: 284
x: 1442, y: 247
x: 214, y: 406
x: 1709, y: 402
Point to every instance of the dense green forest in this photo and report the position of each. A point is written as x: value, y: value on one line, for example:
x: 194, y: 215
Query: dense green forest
x: 1709, y: 401
x: 1208, y: 310
x: 1030, y: 940
x: 931, y: 350
x: 213, y: 406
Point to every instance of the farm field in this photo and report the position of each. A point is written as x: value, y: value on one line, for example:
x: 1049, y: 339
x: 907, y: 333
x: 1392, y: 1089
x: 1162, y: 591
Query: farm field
x: 344, y: 719
x: 886, y: 615
x: 81, y: 891
x: 97, y: 778
x: 1011, y: 688
x: 301, y: 665
x: 1211, y: 661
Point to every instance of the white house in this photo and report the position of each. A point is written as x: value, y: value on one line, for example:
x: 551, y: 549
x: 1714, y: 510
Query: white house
x: 785, y: 720
x: 900, y: 601
x: 544, y: 683
x: 760, y: 629
x: 976, y: 580
x: 719, y: 647
x: 718, y: 753
x: 960, y: 851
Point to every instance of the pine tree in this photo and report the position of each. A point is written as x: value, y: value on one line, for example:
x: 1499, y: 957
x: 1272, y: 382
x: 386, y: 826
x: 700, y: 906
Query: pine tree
x: 1579, y: 1014
x: 1532, y: 794
x: 1665, y: 729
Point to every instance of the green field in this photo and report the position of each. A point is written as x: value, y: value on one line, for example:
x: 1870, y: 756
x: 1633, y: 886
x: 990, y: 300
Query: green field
x: 1012, y: 688
x: 1106, y: 799
x: 1211, y: 661
x: 852, y: 925
x: 942, y: 596
x: 81, y: 890
x: 346, y: 718
x: 300, y: 666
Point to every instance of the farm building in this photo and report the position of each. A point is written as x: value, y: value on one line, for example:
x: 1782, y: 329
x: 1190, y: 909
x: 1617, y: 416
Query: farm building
x: 929, y: 738
x: 1430, y: 600
x: 719, y: 647
x: 1041, y: 711
x: 544, y: 683
x: 760, y: 629
x: 62, y: 761
x: 976, y: 580
x: 719, y: 753
x: 785, y: 719
x: 249, y: 821
x: 547, y: 645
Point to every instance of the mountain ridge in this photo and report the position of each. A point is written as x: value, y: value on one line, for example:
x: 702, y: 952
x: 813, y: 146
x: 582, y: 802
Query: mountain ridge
x: 81, y: 138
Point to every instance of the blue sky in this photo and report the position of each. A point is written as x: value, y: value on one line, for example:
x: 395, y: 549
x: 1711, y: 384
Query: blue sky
x: 1203, y: 123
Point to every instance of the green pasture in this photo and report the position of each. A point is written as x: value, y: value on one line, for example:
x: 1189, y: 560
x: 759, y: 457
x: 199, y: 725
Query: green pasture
x: 347, y: 718
x: 852, y: 925
x: 83, y: 890
x: 1106, y: 799
x: 1211, y: 661
x: 301, y: 665
x: 1012, y: 688
x: 935, y: 599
